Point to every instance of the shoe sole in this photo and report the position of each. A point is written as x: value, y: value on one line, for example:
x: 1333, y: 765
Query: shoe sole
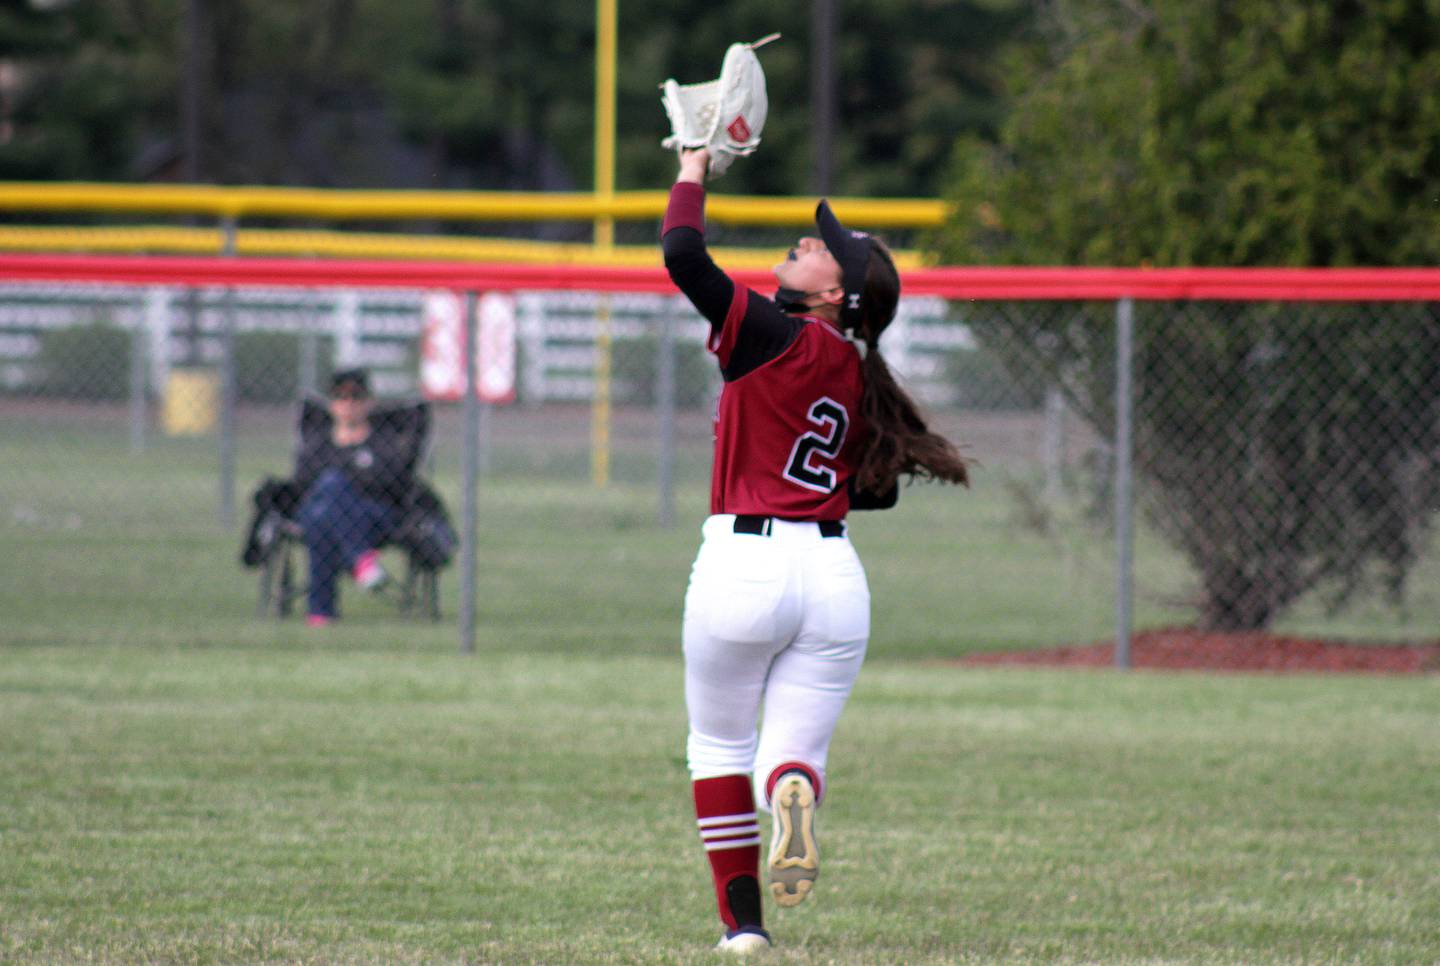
x: 794, y: 857
x: 744, y: 944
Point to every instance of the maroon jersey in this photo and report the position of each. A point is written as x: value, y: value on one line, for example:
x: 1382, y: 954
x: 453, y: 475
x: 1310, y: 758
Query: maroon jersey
x: 788, y: 431
x: 787, y: 434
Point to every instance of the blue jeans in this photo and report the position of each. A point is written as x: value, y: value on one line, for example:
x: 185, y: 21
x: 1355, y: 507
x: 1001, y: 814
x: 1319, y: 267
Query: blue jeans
x: 340, y: 524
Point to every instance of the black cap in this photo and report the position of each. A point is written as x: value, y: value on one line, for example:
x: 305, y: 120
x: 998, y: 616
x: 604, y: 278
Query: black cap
x: 852, y: 250
x: 358, y: 378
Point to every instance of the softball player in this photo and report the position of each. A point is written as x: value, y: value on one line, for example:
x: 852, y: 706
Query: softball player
x: 810, y: 425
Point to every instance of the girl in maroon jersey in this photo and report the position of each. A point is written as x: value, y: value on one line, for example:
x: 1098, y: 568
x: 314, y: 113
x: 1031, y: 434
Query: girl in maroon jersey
x: 810, y: 425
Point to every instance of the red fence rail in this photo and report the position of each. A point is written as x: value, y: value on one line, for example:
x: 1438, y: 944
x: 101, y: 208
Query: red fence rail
x: 980, y: 283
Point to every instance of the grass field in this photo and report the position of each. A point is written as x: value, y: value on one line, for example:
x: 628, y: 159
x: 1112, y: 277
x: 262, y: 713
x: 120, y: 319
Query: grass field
x: 348, y: 801
x: 182, y: 782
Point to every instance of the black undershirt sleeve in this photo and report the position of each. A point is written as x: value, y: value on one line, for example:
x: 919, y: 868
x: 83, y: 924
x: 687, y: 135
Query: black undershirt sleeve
x: 866, y: 500
x: 765, y: 332
x: 697, y: 276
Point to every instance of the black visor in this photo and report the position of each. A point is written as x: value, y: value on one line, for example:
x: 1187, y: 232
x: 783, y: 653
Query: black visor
x: 852, y: 250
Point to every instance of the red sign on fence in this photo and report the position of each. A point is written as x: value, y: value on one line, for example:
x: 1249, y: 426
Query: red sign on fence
x: 495, y: 365
x: 442, y: 347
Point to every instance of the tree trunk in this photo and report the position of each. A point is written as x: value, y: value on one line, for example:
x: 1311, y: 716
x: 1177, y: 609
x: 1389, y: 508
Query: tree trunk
x: 1234, y: 600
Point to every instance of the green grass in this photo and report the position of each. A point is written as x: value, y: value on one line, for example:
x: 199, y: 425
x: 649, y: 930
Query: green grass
x: 183, y: 782
x: 310, y: 802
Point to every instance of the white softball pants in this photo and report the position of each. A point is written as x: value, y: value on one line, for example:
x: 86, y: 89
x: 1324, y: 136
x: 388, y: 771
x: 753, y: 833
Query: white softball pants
x: 779, y: 622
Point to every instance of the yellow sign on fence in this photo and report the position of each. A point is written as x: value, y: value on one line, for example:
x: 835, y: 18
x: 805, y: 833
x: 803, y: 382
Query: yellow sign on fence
x: 192, y: 402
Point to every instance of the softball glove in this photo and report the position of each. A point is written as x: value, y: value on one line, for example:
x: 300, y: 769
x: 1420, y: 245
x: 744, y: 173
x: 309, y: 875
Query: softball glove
x: 725, y: 115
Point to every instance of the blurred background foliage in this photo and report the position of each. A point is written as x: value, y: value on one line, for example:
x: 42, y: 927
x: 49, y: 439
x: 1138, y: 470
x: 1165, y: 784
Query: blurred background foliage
x: 1128, y: 132
x: 1181, y: 133
x: 479, y: 94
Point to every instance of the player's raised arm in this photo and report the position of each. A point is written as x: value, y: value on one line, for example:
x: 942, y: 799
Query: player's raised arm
x: 693, y: 165
x: 682, y: 238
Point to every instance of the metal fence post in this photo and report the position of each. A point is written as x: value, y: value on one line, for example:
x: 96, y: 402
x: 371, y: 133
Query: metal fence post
x: 139, y: 361
x: 1124, y: 504
x: 346, y: 321
x: 309, y: 362
x: 228, y: 391
x: 665, y: 390
x: 470, y: 473
x: 157, y: 335
x: 1053, y: 445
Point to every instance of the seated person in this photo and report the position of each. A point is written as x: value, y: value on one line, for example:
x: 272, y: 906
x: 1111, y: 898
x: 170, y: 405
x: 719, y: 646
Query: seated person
x: 352, y: 483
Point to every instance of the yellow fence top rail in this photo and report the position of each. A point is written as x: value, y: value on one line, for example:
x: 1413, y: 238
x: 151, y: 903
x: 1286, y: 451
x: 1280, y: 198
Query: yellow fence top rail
x: 346, y: 204
x: 341, y: 244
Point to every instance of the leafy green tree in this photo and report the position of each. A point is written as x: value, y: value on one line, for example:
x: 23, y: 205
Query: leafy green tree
x: 1290, y: 448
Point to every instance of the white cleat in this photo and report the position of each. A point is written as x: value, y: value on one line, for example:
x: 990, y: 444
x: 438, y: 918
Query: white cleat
x: 794, y: 857
x: 744, y: 942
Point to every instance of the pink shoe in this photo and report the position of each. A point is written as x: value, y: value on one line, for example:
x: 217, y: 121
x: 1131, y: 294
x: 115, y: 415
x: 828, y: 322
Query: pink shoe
x: 318, y: 620
x: 368, y: 573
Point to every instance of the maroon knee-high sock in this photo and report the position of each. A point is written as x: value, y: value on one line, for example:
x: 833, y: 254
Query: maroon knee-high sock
x: 730, y: 832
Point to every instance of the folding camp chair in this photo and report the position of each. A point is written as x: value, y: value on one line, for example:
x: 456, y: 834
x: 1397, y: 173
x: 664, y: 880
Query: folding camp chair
x: 275, y: 542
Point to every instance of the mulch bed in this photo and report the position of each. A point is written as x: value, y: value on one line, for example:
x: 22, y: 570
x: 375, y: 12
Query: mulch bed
x: 1189, y: 649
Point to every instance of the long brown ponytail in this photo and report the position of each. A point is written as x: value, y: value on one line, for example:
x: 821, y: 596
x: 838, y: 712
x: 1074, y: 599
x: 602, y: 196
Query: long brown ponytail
x: 900, y: 441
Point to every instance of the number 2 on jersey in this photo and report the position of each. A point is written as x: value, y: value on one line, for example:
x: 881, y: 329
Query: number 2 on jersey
x: 807, y: 457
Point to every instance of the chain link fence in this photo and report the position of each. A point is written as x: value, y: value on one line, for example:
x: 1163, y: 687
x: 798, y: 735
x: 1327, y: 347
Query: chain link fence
x: 1281, y: 458
x: 1289, y: 453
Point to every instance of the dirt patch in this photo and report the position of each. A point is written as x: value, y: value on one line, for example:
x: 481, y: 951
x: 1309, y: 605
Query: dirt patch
x: 1189, y: 649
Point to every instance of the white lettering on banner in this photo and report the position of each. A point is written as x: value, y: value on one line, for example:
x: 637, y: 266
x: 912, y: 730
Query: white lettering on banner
x: 496, y: 364
x: 442, y: 347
